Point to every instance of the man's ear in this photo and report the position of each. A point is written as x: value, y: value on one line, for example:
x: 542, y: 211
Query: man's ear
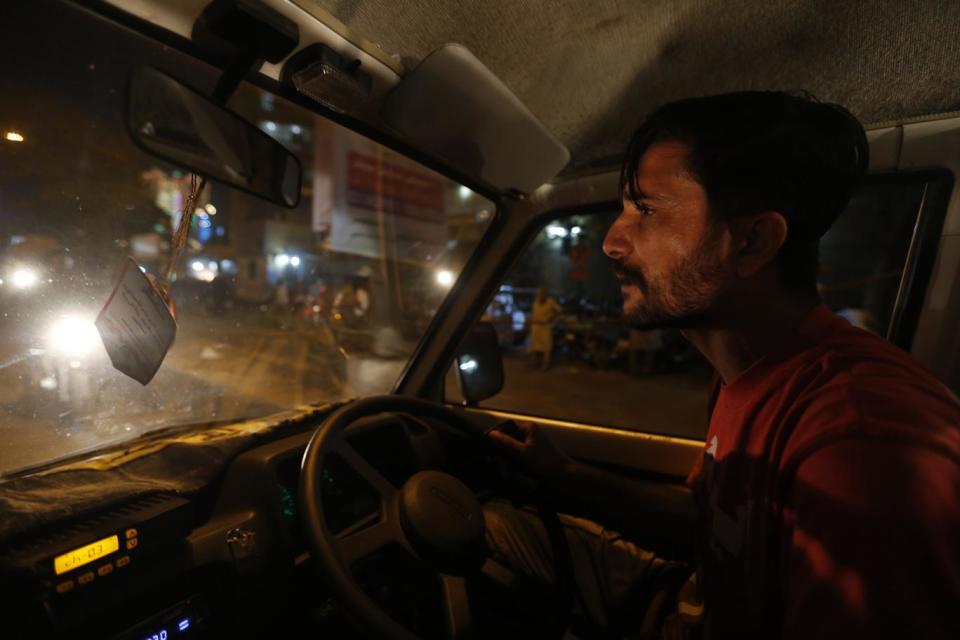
x: 757, y: 241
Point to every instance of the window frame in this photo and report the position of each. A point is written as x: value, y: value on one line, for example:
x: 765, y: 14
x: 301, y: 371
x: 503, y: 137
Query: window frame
x: 922, y: 251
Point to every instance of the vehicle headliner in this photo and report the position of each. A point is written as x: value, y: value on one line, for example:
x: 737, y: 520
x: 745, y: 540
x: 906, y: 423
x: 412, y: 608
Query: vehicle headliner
x: 591, y: 70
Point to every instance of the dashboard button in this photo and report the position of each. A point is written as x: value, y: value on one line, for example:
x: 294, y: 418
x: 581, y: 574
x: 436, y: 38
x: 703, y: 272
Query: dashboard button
x: 123, y: 561
x: 131, y: 544
x: 130, y: 533
x: 105, y: 570
x: 65, y: 586
x: 85, y: 578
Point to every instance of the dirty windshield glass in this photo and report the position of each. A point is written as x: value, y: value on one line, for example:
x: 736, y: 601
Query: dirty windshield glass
x: 276, y: 308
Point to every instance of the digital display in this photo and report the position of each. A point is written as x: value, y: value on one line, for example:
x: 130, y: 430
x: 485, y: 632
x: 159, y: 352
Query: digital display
x: 85, y: 554
x: 176, y: 629
x: 179, y: 622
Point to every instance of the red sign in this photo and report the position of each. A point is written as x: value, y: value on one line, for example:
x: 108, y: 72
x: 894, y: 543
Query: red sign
x: 580, y: 254
x: 373, y: 184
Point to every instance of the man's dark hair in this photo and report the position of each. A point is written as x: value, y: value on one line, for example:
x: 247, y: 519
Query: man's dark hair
x: 760, y: 151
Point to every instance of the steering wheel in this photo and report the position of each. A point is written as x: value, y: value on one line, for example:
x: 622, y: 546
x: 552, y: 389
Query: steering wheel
x: 434, y: 517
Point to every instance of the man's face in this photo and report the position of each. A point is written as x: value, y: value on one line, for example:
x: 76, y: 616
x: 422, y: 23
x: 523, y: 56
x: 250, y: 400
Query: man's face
x: 669, y: 255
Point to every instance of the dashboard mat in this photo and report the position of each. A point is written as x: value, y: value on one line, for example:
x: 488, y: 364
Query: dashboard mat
x: 179, y: 460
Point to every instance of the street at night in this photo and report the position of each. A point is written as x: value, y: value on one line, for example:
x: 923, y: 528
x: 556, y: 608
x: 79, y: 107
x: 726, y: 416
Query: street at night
x: 254, y: 362
x: 666, y: 403
x: 243, y: 364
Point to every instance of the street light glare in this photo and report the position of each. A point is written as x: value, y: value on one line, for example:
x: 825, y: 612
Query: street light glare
x: 196, y: 265
x: 24, y: 278
x: 282, y: 260
x: 295, y: 261
x: 444, y: 278
x: 556, y: 231
x: 73, y: 336
x: 13, y: 136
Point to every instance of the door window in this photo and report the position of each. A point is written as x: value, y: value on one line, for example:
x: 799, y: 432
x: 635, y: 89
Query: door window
x: 568, y: 354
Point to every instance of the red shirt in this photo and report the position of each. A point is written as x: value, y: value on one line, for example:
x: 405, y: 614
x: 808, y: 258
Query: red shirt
x: 830, y: 493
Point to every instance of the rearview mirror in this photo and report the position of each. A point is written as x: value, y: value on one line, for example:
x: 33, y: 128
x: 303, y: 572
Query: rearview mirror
x: 479, y: 364
x: 170, y: 120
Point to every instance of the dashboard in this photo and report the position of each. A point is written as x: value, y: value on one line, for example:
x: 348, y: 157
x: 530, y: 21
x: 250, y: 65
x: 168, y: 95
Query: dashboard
x: 230, y: 560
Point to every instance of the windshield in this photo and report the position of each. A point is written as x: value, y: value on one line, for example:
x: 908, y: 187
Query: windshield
x: 276, y: 308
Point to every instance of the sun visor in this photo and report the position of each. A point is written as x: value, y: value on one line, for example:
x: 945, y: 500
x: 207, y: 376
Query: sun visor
x: 453, y: 106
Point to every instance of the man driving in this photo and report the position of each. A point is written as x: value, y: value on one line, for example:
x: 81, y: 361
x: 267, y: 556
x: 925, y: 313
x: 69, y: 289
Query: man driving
x: 828, y: 494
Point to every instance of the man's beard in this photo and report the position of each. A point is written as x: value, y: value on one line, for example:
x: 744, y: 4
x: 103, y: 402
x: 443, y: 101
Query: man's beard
x: 682, y: 299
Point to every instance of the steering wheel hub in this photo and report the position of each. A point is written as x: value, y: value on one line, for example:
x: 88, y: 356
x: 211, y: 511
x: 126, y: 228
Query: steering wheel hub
x: 441, y: 516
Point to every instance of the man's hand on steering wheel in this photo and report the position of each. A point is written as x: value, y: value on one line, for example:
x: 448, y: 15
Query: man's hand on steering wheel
x: 533, y: 448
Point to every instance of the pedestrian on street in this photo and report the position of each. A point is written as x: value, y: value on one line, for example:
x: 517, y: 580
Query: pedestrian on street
x: 545, y: 312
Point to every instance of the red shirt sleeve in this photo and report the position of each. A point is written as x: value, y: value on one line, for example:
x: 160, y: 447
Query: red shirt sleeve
x: 871, y: 543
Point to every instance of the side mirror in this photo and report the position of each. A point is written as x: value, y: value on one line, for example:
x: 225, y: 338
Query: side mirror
x: 479, y: 364
x: 170, y: 120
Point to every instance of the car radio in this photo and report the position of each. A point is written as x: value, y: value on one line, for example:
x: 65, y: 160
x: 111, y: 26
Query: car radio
x: 71, y: 575
x: 99, y: 548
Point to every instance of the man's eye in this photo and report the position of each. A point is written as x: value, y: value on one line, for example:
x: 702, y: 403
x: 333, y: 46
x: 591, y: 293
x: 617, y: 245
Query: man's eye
x: 643, y: 209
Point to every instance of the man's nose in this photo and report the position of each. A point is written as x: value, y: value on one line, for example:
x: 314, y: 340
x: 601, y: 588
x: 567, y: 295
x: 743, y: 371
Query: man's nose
x: 615, y: 244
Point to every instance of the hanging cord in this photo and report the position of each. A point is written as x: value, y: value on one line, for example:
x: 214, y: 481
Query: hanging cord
x: 197, y: 185
x: 162, y: 287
